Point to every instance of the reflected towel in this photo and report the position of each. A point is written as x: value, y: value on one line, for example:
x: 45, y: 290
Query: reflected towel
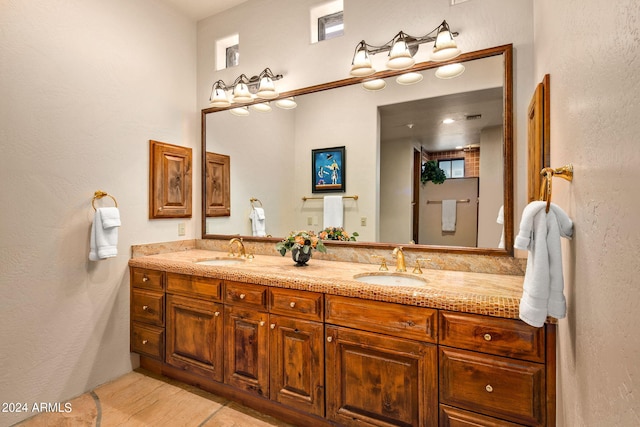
x: 449, y: 215
x: 543, y: 286
x: 333, y: 211
x: 258, y: 226
x: 500, y: 220
x: 104, y: 234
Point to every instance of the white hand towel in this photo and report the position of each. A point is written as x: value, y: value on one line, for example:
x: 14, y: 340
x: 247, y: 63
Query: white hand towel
x: 333, y: 211
x: 104, y: 234
x: 449, y: 214
x: 543, y: 288
x: 500, y: 220
x: 258, y: 225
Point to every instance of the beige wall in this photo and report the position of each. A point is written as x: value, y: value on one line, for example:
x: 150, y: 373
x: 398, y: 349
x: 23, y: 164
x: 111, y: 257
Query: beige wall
x: 591, y: 51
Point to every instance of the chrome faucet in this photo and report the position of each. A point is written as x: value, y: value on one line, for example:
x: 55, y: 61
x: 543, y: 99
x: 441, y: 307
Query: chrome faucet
x: 238, y: 241
x: 399, y: 256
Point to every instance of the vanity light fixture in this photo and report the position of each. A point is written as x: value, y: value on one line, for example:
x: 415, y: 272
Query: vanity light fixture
x: 240, y: 111
x: 262, y: 107
x: 402, y: 48
x: 245, y: 89
x: 448, y: 121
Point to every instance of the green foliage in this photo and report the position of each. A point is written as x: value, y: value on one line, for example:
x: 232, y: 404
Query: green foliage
x: 431, y: 172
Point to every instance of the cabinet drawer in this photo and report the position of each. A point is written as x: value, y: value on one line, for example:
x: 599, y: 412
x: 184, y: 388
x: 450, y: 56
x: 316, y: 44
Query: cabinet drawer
x: 300, y: 304
x: 245, y: 294
x: 496, y: 386
x: 393, y: 319
x: 147, y: 340
x: 147, y: 307
x: 201, y: 287
x: 454, y: 417
x: 147, y: 279
x: 502, y: 337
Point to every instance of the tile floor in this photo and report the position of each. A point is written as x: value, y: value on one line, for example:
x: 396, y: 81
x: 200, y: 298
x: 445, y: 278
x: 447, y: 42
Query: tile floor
x: 142, y: 399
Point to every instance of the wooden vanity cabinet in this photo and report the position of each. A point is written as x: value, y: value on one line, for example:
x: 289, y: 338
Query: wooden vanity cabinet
x: 381, y: 363
x: 147, y: 312
x: 328, y: 360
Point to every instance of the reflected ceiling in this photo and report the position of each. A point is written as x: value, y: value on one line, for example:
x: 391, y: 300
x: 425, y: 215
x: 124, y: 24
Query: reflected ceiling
x: 421, y: 120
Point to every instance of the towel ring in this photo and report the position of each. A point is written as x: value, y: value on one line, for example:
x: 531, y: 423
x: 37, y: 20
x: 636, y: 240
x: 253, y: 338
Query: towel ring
x: 253, y: 199
x: 99, y: 195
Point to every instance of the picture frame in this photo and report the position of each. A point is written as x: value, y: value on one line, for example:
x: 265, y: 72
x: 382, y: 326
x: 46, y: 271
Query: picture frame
x: 328, y: 169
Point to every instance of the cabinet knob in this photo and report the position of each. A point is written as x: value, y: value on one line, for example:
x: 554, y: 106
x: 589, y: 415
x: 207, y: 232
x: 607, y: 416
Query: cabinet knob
x: 489, y: 388
x: 145, y: 307
x: 487, y: 337
x: 262, y: 323
x: 144, y: 342
x: 292, y: 304
x: 329, y: 339
x: 242, y: 296
x: 273, y: 326
x: 145, y: 279
x: 217, y: 313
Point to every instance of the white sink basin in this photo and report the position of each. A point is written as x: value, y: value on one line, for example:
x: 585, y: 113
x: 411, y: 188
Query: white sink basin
x: 390, y: 279
x: 220, y: 261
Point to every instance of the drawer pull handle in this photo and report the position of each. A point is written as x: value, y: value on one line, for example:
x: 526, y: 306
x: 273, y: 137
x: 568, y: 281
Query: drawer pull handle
x: 145, y: 308
x: 242, y: 296
x: 262, y: 323
x: 487, y: 337
x: 273, y: 326
x: 217, y: 313
x: 329, y: 339
x: 489, y: 388
x: 145, y: 279
x: 144, y: 342
x: 292, y: 304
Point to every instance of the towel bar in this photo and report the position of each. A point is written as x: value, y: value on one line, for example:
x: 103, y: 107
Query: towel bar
x: 305, y: 198
x: 99, y: 195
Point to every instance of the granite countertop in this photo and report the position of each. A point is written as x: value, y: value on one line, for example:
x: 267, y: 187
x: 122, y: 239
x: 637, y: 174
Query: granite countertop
x: 489, y: 294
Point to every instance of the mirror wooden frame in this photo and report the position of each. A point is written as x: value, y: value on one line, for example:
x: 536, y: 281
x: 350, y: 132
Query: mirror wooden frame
x: 507, y: 51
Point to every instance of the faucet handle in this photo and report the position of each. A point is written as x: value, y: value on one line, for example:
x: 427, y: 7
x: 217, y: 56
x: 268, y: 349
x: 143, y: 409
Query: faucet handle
x: 383, y: 263
x: 417, y: 269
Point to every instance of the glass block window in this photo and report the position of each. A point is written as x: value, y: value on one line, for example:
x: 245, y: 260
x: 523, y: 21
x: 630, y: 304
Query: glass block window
x: 232, y: 56
x: 330, y: 26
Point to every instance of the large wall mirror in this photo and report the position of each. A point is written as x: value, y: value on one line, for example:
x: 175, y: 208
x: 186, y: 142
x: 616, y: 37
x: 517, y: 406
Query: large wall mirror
x: 387, y: 135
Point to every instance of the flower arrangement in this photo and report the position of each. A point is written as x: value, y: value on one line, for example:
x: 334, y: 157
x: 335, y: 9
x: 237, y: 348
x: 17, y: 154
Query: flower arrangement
x: 303, y: 240
x: 337, y: 233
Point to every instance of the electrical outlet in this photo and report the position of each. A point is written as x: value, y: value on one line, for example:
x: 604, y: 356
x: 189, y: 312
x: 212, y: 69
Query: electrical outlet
x: 363, y: 221
x: 181, y: 229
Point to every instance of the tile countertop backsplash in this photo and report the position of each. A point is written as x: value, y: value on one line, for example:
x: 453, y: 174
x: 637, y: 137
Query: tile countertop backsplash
x: 495, y: 294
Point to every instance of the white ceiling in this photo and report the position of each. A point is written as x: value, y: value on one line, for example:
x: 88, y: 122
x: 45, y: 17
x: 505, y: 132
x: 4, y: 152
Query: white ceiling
x: 200, y: 9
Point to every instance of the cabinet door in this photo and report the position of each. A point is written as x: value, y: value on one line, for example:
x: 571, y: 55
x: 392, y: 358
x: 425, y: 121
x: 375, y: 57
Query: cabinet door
x: 375, y: 379
x: 194, y: 336
x: 247, y: 350
x: 297, y: 363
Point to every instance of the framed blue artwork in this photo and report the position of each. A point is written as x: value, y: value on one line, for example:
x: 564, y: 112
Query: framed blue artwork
x: 328, y: 169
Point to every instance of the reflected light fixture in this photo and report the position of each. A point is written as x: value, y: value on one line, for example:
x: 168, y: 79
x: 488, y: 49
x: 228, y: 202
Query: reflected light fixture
x: 262, y: 107
x: 377, y: 84
x: 240, y: 111
x: 402, y: 47
x: 244, y: 89
x: 449, y: 71
x: 409, y: 78
x: 286, y: 103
